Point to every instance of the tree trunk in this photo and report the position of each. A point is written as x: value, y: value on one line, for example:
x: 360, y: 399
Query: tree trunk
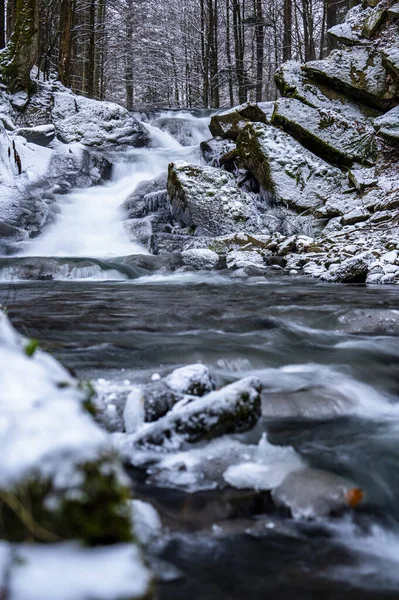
x: 91, y: 59
x: 2, y: 24
x: 129, y: 66
x: 11, y: 14
x: 260, y: 41
x: 228, y: 54
x: 20, y: 54
x: 239, y: 47
x: 331, y: 16
x: 287, y: 37
x: 66, y: 26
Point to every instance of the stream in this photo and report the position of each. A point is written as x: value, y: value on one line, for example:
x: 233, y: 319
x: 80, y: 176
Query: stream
x: 327, y: 356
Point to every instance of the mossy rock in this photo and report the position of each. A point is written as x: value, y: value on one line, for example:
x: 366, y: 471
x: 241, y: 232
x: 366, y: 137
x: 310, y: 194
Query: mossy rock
x: 294, y: 176
x: 94, y: 510
x: 327, y: 133
x: 228, y: 125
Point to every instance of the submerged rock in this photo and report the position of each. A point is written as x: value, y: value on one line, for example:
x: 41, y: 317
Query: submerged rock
x: 206, y: 197
x: 295, y: 176
x: 233, y: 409
x: 312, y: 493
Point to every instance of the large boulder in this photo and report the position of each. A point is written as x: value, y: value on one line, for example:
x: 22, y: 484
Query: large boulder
x: 227, y: 125
x: 95, y: 124
x: 42, y: 135
x: 358, y: 72
x: 351, y: 270
x: 233, y: 409
x: 390, y: 57
x: 206, y: 197
x: 293, y: 175
x: 327, y: 133
x: 148, y: 197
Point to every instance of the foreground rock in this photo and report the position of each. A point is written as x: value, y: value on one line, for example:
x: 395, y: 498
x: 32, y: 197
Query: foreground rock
x: 60, y: 480
x: 233, y: 409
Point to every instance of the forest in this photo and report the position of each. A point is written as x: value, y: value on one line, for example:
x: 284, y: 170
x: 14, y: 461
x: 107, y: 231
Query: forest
x: 172, y: 54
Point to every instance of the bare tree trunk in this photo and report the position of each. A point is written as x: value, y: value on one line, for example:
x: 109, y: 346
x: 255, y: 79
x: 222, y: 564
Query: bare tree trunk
x: 287, y: 36
x: 66, y: 26
x: 2, y: 24
x: 91, y: 58
x: 260, y: 42
x: 331, y: 17
x: 228, y: 54
x: 129, y: 66
x: 239, y: 47
x: 11, y: 14
x: 20, y: 54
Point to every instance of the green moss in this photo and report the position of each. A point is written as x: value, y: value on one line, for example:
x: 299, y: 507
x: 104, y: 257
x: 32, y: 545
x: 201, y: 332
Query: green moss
x: 95, y: 512
x: 31, y: 348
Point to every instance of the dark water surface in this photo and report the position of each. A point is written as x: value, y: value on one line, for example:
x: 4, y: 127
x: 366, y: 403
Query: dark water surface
x: 328, y: 358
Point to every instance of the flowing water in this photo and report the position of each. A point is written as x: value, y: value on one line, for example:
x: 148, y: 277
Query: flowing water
x: 328, y: 359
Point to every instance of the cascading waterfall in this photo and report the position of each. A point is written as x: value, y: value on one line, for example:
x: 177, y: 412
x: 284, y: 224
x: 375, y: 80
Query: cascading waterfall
x: 90, y: 223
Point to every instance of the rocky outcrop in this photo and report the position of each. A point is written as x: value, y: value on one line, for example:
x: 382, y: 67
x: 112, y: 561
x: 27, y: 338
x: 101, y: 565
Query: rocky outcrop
x: 229, y: 124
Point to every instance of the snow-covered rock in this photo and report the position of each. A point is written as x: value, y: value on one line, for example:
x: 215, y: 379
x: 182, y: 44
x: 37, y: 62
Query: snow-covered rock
x: 232, y: 409
x: 351, y: 270
x: 294, y: 176
x: 53, y: 451
x: 388, y: 125
x: 328, y: 133
x: 201, y: 258
x: 206, y: 197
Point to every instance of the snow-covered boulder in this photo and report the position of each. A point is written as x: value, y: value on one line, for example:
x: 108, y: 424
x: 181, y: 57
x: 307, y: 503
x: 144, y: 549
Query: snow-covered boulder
x: 327, y: 133
x: 96, y: 124
x: 351, y: 270
x: 206, y: 197
x: 212, y: 150
x: 59, y: 478
x: 42, y: 135
x: 227, y: 125
x: 293, y: 175
x: 358, y: 72
x: 200, y: 258
x: 233, y: 409
x: 159, y: 397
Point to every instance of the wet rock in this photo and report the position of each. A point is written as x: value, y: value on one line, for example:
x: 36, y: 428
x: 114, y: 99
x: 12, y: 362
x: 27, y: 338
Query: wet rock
x: 10, y: 233
x: 370, y: 322
x: 42, y: 135
x: 312, y: 494
x: 294, y: 176
x: 227, y: 125
x: 351, y: 270
x: 144, y: 230
x: 373, y: 21
x: 148, y: 197
x: 327, y: 133
x: 393, y: 11
x: 358, y: 72
x: 233, y: 409
x: 203, y: 196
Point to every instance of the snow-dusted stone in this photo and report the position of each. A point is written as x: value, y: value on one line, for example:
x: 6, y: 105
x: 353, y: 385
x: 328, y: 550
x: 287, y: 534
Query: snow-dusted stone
x: 260, y: 112
x: 387, y: 125
x: 346, y: 34
x: 293, y: 83
x: 227, y: 125
x: 374, y: 21
x: 357, y: 215
x: 393, y: 11
x: 212, y: 150
x: 390, y: 257
x: 358, y: 72
x: 201, y: 258
x: 53, y: 453
x: 233, y: 409
x: 206, y: 197
x: 42, y: 135
x: 362, y: 178
x: 143, y: 230
x: 293, y: 175
x: 312, y: 493
x: 390, y: 57
x: 160, y: 396
x: 245, y: 259
x: 327, y: 133
x: 72, y: 572
x: 96, y: 124
x: 371, y: 321
x: 351, y: 270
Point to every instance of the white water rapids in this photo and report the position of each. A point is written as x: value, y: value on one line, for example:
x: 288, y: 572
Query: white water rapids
x: 90, y: 223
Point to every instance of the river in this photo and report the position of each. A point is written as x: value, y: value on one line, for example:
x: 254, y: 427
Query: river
x: 328, y: 358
